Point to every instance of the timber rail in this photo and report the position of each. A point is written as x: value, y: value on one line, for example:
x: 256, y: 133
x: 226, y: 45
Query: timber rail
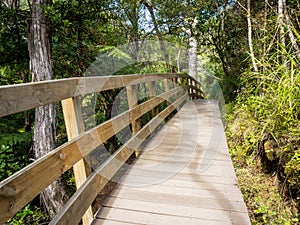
x: 19, y: 189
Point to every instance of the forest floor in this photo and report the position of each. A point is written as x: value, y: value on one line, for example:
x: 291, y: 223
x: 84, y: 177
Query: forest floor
x: 265, y: 195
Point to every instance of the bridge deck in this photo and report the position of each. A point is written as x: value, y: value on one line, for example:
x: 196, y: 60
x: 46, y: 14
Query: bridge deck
x: 184, y: 175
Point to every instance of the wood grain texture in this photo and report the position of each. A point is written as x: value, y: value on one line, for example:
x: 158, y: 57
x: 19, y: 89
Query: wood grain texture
x: 20, y: 188
x: 133, y: 102
x: 21, y: 97
x: 152, y: 94
x: 75, y: 126
x: 184, y: 175
x: 85, y: 195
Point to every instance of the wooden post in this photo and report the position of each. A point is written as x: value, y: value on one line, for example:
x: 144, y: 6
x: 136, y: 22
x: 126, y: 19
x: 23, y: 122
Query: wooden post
x: 181, y: 84
x: 167, y: 88
x: 166, y: 85
x: 189, y: 85
x: 174, y: 82
x: 194, y: 88
x: 181, y: 81
x: 176, y: 85
x: 132, y: 102
x: 75, y: 126
x: 170, y: 82
x: 199, y: 90
x: 152, y: 93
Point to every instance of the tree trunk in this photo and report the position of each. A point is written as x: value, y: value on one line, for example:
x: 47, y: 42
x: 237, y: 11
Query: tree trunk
x: 289, y: 27
x: 134, y: 19
x: 280, y: 22
x: 192, y: 48
x: 265, y: 25
x: 79, y: 41
x: 44, y: 138
x: 192, y: 56
x: 250, y: 35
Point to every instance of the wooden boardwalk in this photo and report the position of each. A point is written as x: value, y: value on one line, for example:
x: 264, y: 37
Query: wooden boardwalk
x: 184, y: 175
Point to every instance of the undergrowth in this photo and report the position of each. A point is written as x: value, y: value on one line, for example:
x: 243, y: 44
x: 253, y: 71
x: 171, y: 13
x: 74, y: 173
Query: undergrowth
x: 264, y: 139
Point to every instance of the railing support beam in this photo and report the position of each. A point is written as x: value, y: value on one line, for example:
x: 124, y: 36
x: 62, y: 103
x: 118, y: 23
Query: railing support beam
x: 133, y: 102
x: 167, y: 88
x: 75, y: 126
x: 152, y: 94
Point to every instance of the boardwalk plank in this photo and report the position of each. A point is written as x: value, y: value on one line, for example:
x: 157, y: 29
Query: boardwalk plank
x: 131, y: 216
x: 111, y: 222
x: 184, y: 175
x: 174, y: 168
x: 159, y: 189
x: 218, y: 203
x: 135, y: 181
x: 174, y: 210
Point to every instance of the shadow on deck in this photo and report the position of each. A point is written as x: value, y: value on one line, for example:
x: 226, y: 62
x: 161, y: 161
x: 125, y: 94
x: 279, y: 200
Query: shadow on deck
x: 184, y: 175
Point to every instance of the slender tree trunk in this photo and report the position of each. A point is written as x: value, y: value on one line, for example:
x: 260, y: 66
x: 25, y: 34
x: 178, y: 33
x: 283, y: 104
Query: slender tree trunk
x: 193, y: 50
x: 134, y: 17
x: 292, y: 37
x: 79, y: 41
x: 193, y: 46
x: 178, y: 60
x: 280, y: 22
x: 192, y: 56
x: 265, y: 25
x: 250, y: 35
x: 44, y: 137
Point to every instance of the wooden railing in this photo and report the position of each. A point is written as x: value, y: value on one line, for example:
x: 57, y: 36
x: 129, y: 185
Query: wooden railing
x: 20, y: 188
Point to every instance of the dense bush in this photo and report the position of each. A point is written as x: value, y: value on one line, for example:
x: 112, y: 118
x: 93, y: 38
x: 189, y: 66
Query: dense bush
x: 264, y: 127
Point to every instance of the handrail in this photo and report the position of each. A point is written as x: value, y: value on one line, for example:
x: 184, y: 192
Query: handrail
x: 20, y: 188
x: 21, y: 97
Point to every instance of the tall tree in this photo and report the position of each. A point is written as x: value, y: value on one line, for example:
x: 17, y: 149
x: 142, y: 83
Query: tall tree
x: 191, y: 32
x: 281, y: 12
x: 44, y: 138
x: 250, y: 35
x: 193, y: 49
x: 290, y: 27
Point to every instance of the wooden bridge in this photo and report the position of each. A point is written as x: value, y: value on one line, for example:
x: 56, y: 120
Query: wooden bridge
x: 183, y: 173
